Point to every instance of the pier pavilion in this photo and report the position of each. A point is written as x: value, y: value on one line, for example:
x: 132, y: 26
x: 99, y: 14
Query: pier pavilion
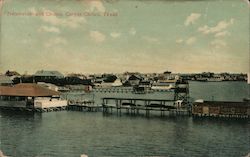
x: 30, y: 96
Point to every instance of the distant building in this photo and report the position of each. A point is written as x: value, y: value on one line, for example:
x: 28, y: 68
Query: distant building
x: 48, y: 85
x: 117, y: 83
x: 134, y: 80
x: 79, y: 88
x: 42, y: 74
x: 12, y: 73
x: 5, y: 80
x: 81, y: 76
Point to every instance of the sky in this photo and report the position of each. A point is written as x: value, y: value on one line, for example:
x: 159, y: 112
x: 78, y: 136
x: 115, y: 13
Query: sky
x: 114, y: 36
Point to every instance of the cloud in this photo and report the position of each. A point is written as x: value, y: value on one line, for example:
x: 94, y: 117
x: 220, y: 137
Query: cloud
x: 188, y: 41
x: 115, y: 35
x: 151, y: 39
x: 49, y: 29
x: 192, y: 18
x: 222, y: 34
x: 179, y: 41
x: 218, y: 43
x: 132, y: 31
x: 191, y: 40
x: 55, y: 41
x: 71, y: 22
x: 222, y: 25
x: 96, y: 5
x: 97, y: 36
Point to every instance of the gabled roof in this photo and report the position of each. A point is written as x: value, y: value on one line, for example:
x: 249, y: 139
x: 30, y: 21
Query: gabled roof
x: 12, y: 73
x: 134, y: 77
x: 48, y: 73
x: 26, y: 89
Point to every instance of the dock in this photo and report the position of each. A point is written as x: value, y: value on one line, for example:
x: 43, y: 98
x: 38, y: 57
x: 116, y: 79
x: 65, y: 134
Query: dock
x: 134, y: 106
x: 83, y: 105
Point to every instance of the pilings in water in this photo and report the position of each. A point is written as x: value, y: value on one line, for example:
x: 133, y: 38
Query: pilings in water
x: 133, y: 106
x: 226, y: 116
x: 50, y: 109
x: 84, y: 106
x: 77, y: 107
x: 32, y: 109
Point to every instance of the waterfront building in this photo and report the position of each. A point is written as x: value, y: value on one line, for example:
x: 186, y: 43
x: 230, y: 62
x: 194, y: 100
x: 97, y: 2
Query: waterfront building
x: 29, y: 96
x: 221, y: 108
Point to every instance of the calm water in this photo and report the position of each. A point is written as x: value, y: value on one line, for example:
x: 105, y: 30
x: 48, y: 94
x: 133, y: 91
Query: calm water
x: 69, y: 134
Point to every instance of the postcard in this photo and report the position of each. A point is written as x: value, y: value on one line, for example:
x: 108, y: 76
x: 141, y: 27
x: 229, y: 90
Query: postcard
x: 124, y: 78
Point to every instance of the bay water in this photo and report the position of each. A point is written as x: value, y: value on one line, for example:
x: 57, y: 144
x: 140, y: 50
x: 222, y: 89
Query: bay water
x: 72, y: 133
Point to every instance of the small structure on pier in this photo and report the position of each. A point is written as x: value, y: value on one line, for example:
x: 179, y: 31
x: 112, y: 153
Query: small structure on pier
x: 182, y: 93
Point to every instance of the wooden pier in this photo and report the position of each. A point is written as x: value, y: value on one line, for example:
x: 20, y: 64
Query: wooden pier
x: 133, y: 106
x: 84, y: 105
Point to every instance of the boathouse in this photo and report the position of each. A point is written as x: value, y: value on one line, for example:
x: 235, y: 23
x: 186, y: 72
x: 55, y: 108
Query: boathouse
x: 221, y: 109
x: 29, y: 96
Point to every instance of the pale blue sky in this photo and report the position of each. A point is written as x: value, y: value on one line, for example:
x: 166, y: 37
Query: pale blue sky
x: 144, y: 36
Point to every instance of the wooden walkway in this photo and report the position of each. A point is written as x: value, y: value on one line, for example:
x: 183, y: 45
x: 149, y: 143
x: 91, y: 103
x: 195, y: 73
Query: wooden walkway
x: 84, y: 106
x: 135, y: 105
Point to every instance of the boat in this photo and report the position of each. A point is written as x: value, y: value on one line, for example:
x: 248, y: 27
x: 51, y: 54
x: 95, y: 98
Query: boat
x: 163, y: 85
